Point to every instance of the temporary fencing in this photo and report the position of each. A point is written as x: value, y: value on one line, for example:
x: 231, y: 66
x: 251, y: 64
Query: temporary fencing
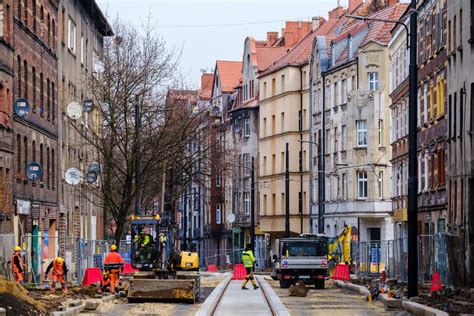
x: 441, y: 253
x: 79, y: 255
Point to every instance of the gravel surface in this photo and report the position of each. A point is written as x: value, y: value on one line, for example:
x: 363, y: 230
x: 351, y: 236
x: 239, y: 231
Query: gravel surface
x: 330, y: 301
x: 208, y: 284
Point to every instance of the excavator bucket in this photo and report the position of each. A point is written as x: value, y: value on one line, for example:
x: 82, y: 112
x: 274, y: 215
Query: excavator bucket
x: 183, y: 289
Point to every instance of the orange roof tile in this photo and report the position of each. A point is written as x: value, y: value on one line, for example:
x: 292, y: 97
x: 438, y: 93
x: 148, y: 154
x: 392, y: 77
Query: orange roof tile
x: 266, y: 56
x: 230, y: 73
x: 205, y: 91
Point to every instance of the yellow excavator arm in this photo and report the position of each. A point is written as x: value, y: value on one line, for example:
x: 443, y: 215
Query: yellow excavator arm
x: 340, y: 245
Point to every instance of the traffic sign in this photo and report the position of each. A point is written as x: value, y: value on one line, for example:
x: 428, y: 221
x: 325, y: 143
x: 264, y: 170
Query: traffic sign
x: 34, y: 171
x: 21, y: 107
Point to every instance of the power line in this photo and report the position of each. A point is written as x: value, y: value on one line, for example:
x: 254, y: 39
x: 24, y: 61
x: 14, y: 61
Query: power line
x: 227, y: 24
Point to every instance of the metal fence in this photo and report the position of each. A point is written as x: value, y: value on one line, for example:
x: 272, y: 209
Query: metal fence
x: 441, y: 253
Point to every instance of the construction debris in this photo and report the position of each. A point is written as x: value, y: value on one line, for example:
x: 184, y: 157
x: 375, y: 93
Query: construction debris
x: 299, y: 289
x: 17, y: 301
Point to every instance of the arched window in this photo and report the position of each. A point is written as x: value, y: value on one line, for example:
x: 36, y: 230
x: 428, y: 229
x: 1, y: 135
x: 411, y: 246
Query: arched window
x: 41, y: 156
x: 48, y: 179
x: 33, y: 6
x: 18, y: 152
x: 41, y: 93
x: 33, y: 151
x: 33, y: 78
x: 25, y: 11
x: 18, y: 13
x: 53, y: 101
x: 18, y: 89
x: 25, y: 78
x: 49, y: 30
x: 53, y: 175
x: 48, y: 96
x: 54, y: 34
x: 25, y: 149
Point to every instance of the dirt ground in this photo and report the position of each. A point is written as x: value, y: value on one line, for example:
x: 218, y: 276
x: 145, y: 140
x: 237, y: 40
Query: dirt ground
x: 17, y: 301
x: 122, y: 307
x: 330, y: 301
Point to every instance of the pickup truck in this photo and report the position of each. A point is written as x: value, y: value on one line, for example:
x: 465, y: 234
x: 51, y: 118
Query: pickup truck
x: 301, y: 258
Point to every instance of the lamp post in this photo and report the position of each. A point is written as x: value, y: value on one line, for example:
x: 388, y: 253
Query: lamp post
x: 412, y: 145
x: 252, y: 205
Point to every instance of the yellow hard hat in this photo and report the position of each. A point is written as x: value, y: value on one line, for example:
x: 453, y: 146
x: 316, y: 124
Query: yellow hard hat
x: 59, y: 260
x: 113, y: 247
x: 17, y: 248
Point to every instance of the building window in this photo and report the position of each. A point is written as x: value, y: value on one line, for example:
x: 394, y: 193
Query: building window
x: 246, y: 164
x: 373, y: 80
x: 33, y: 78
x: 282, y: 122
x: 362, y: 184
x: 273, y: 87
x: 344, y: 186
x: 25, y: 78
x: 282, y: 83
x: 380, y: 132
x: 82, y: 49
x: 218, y: 180
x: 344, y: 137
x: 264, y: 90
x: 218, y: 213
x: 247, y: 127
x: 344, y: 91
x: 361, y: 133
x: 18, y: 90
x: 380, y: 183
x: 247, y: 202
x: 18, y: 150
x: 33, y: 5
x: 71, y: 26
x: 25, y: 149
x: 41, y: 93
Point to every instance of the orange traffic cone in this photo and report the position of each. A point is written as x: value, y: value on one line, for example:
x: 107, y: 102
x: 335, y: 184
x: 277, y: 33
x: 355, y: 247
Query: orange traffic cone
x: 436, y: 283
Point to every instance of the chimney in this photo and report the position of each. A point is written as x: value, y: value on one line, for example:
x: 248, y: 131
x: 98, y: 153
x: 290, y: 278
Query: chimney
x: 392, y: 2
x: 336, y: 13
x: 353, y: 4
x: 271, y: 38
x: 315, y: 22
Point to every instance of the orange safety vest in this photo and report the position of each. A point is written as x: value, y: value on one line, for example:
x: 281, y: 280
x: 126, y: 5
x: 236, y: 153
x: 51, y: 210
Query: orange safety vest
x: 58, y: 268
x: 14, y: 267
x: 113, y: 257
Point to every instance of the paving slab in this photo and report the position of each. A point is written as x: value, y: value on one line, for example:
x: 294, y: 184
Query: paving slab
x: 236, y: 301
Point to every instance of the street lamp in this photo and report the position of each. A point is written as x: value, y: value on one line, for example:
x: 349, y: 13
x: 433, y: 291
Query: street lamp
x: 321, y: 186
x: 412, y: 145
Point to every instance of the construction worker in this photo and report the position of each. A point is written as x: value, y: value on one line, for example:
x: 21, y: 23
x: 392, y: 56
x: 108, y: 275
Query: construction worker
x: 113, y: 258
x: 249, y: 261
x: 17, y: 265
x: 104, y: 283
x: 59, y: 268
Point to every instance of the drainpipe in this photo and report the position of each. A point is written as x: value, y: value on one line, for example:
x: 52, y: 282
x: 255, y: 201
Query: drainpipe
x: 300, y: 197
x: 311, y: 143
x: 321, y: 175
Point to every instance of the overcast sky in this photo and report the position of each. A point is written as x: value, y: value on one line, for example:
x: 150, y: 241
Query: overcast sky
x: 181, y: 24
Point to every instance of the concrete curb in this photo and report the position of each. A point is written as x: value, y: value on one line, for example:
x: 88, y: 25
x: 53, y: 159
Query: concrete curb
x: 70, y: 310
x: 422, y: 310
x: 362, y: 290
x: 212, y: 300
x: 391, y: 302
x: 274, y: 301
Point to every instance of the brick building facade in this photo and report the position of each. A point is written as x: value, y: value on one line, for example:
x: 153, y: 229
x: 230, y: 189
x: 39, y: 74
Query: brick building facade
x: 6, y: 121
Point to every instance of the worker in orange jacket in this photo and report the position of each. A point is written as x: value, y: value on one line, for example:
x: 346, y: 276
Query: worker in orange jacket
x: 17, y: 265
x: 104, y: 282
x: 59, y: 273
x: 113, y: 258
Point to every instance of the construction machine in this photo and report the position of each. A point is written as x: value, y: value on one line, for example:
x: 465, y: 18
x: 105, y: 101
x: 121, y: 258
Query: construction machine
x: 340, y: 248
x: 165, y: 274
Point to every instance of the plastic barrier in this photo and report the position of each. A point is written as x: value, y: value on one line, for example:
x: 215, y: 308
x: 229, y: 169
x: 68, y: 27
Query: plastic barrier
x: 92, y: 275
x: 128, y: 269
x: 436, y: 283
x: 341, y: 272
x: 239, y: 272
x: 212, y: 268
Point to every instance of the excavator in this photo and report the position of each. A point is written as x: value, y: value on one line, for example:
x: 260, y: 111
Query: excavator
x: 165, y: 274
x: 340, y: 248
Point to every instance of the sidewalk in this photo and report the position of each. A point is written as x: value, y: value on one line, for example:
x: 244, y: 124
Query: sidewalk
x: 240, y: 302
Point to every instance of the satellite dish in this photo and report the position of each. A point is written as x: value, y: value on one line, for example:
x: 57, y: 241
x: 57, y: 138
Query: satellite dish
x: 34, y: 171
x: 74, y: 110
x: 94, y: 167
x: 21, y: 107
x: 231, y: 218
x: 87, y: 106
x: 73, y: 176
x: 91, y: 177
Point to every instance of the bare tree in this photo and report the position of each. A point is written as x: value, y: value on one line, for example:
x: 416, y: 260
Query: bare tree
x: 137, y: 70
